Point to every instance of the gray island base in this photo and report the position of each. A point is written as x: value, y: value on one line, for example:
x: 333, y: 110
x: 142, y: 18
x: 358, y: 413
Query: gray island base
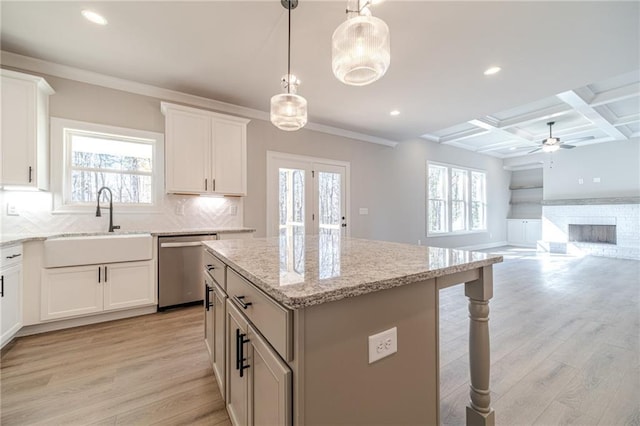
x: 299, y: 313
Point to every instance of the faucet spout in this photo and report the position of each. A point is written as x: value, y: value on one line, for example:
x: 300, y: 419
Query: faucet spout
x: 98, y: 213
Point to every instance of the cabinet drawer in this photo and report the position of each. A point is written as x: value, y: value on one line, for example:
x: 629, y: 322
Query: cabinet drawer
x: 272, y: 320
x: 215, y: 268
x: 11, y: 255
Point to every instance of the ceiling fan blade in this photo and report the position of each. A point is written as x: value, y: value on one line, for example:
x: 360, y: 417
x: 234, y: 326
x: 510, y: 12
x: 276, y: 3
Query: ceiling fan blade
x: 567, y: 146
x: 535, y: 150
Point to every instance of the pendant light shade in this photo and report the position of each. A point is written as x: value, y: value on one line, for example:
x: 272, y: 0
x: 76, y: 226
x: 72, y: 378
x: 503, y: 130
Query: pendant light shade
x: 288, y: 109
x: 361, y: 51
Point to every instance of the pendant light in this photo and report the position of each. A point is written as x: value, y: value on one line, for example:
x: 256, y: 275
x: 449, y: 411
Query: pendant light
x: 288, y: 109
x: 360, y: 46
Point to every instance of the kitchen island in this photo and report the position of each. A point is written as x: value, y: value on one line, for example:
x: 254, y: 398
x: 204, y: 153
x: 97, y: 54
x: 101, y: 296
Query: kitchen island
x: 303, y: 314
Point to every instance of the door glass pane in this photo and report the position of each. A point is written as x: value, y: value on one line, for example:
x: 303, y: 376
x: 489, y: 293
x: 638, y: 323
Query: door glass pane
x: 291, y: 221
x: 329, y: 196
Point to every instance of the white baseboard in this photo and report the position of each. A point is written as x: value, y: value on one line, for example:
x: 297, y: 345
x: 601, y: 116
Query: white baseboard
x: 77, y: 322
x: 484, y: 246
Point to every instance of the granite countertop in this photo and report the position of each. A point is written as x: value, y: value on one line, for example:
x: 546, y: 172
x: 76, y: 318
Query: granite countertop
x: 309, y: 270
x: 9, y: 239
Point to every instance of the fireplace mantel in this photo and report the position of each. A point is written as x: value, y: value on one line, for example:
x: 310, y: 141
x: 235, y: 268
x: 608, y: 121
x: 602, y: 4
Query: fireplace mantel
x: 592, y: 201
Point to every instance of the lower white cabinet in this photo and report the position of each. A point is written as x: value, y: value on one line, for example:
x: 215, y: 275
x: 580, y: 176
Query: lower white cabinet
x: 258, y: 381
x: 80, y: 290
x: 10, y: 293
x: 524, y: 232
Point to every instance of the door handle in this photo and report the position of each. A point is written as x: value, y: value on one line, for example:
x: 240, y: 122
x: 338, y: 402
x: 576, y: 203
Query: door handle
x: 237, y: 349
x: 99, y: 272
x: 207, y: 298
x: 105, y: 274
x: 242, y: 359
x: 2, y: 286
x: 30, y: 173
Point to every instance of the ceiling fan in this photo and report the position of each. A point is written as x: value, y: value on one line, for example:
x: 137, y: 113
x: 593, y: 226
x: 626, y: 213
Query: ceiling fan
x: 551, y: 144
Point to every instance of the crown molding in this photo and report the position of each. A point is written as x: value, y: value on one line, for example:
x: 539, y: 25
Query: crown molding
x: 27, y: 63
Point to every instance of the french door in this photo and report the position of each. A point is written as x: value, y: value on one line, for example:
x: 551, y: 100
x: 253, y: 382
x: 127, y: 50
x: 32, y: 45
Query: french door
x: 306, y: 196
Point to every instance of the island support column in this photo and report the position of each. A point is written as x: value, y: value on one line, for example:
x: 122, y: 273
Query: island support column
x: 479, y: 411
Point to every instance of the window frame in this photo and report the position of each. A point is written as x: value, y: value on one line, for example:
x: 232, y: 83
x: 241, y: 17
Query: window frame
x: 468, y: 202
x: 61, y: 164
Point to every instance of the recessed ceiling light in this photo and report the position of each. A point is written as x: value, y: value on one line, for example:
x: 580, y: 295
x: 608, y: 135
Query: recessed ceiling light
x: 94, y: 17
x: 492, y: 70
x: 394, y: 112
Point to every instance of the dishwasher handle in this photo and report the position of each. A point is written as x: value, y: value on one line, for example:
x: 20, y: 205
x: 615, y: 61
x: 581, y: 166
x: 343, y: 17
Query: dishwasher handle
x: 186, y: 244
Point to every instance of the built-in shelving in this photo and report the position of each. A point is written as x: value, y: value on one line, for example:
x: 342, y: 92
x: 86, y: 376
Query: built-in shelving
x: 526, y: 194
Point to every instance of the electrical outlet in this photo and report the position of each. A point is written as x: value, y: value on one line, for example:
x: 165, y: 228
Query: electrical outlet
x: 364, y: 211
x: 383, y: 344
x: 180, y: 209
x: 12, y: 210
x: 233, y: 210
x: 596, y: 180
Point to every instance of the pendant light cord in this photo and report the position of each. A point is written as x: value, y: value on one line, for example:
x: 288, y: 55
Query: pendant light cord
x: 289, y: 53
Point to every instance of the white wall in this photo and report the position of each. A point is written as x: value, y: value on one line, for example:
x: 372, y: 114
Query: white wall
x: 389, y: 182
x: 617, y: 164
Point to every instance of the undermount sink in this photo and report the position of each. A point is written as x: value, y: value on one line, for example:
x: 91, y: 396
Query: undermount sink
x: 95, y: 249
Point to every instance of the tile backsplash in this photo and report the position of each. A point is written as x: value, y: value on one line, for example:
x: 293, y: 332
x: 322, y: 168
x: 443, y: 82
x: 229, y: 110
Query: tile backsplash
x: 175, y: 213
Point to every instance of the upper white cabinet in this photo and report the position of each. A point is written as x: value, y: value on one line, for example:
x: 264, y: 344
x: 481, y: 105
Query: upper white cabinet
x: 205, y: 152
x: 24, y: 137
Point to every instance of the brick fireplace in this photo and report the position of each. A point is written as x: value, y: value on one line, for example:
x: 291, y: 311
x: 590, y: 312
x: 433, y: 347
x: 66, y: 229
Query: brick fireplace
x: 599, y: 227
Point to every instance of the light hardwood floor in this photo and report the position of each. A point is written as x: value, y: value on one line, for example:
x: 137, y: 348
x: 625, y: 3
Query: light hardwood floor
x: 565, y: 350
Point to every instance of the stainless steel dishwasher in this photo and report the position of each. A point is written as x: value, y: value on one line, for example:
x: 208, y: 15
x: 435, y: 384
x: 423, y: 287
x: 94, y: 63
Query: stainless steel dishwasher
x: 180, y: 270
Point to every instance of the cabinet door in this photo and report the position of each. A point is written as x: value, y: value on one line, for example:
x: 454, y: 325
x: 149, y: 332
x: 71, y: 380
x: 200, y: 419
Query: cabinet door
x: 269, y: 384
x: 219, y: 341
x: 187, y: 152
x: 71, y: 291
x: 237, y: 389
x: 18, y: 131
x: 10, y: 302
x: 229, y: 157
x: 515, y: 231
x: 532, y: 231
x: 128, y: 284
x: 208, y: 317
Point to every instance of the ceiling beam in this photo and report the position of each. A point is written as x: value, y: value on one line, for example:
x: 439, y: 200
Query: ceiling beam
x: 614, y: 95
x: 627, y: 119
x: 538, y: 115
x: 462, y: 135
x: 581, y: 106
x: 513, y: 133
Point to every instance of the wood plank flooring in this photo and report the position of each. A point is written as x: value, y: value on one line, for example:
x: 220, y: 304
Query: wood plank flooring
x: 565, y: 350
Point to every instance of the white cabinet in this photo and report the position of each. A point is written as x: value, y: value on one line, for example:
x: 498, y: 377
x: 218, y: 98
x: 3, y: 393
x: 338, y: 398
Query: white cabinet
x: 219, y: 352
x: 205, y: 152
x: 24, y: 136
x: 10, y: 293
x: 81, y: 290
x: 258, y: 380
x: 524, y: 232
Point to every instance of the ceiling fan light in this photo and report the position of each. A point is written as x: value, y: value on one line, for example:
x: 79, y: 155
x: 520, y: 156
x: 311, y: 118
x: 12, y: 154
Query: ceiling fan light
x: 360, y: 52
x: 550, y: 148
x: 288, y: 111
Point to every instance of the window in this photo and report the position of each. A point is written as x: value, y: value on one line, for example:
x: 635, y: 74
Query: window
x: 89, y: 156
x: 456, y: 199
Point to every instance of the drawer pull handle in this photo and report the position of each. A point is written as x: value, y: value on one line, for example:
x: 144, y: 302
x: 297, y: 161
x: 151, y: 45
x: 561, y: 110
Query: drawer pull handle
x: 239, y: 300
x: 14, y: 255
x: 210, y: 267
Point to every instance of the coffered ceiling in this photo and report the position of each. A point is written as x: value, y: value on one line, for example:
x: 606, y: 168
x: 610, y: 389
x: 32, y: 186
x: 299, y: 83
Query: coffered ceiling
x: 551, y: 53
x: 602, y: 112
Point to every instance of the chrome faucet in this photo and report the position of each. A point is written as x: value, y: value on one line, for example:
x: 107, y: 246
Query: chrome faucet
x: 98, y: 214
